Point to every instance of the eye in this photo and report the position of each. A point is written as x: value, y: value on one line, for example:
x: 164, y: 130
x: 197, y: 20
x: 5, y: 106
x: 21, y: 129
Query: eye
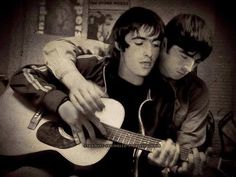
x: 156, y: 43
x: 138, y: 41
x: 198, y: 61
x: 183, y: 56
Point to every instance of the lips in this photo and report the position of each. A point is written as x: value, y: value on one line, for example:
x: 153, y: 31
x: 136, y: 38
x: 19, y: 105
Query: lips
x: 181, y: 73
x: 146, y: 64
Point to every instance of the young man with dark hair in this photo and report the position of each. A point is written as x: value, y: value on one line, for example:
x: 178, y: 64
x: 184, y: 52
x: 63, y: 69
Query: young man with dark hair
x: 187, y: 42
x: 123, y: 75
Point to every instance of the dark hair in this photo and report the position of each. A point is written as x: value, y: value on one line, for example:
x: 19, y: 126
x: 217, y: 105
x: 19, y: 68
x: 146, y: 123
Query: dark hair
x: 132, y: 20
x: 191, y: 33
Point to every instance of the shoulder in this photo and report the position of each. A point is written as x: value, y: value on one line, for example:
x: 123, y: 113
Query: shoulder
x: 198, y: 89
x: 89, y: 61
x: 91, y: 65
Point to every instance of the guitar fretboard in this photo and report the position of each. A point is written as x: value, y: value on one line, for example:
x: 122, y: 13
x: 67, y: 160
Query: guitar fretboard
x: 139, y: 141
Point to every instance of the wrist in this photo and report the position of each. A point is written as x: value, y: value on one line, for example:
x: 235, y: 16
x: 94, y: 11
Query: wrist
x: 72, y: 77
x: 64, y: 109
x: 53, y: 99
x: 63, y: 104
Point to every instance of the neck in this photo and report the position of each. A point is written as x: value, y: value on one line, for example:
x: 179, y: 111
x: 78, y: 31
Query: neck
x: 129, y: 76
x: 132, y: 80
x: 163, y: 74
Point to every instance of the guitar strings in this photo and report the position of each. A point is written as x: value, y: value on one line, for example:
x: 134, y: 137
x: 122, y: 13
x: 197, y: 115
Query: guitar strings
x: 135, y: 136
x: 138, y: 139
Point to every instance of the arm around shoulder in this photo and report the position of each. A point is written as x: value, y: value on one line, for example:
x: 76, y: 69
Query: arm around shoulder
x: 60, y: 56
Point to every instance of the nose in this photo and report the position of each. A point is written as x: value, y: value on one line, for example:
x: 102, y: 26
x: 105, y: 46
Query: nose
x: 188, y: 65
x: 148, y: 50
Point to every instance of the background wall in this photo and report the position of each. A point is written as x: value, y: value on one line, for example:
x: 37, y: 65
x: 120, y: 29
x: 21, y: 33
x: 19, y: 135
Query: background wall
x: 20, y: 44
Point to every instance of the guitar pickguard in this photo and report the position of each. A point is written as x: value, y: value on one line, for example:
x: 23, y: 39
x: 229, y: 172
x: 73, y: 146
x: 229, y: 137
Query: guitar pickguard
x: 49, y: 133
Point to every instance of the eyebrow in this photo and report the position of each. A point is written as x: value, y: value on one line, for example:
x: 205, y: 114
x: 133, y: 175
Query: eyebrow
x: 143, y: 38
x: 188, y: 53
x: 191, y: 53
x: 138, y: 37
x: 184, y: 52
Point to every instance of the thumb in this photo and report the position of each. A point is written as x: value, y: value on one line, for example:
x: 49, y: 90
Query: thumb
x: 101, y: 91
x: 105, y: 95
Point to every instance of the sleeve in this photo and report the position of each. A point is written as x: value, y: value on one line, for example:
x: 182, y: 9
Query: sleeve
x: 37, y: 84
x: 60, y: 55
x: 193, y: 129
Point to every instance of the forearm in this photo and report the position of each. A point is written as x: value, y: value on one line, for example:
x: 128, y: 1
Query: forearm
x: 193, y: 129
x: 60, y: 56
x: 31, y: 82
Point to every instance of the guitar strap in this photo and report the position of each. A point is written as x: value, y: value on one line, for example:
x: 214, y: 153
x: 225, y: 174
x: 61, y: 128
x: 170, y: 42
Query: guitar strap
x: 137, y: 152
x: 163, y: 108
x: 36, y: 119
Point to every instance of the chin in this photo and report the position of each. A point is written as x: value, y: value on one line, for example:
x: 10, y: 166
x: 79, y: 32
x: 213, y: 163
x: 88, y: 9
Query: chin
x: 178, y: 77
x: 175, y: 77
x: 144, y: 73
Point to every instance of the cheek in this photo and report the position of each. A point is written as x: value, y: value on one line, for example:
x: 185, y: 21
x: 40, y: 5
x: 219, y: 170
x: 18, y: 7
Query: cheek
x: 156, y: 53
x: 154, y: 60
x: 132, y: 51
x: 127, y: 54
x: 174, y: 62
x: 129, y: 58
x: 170, y: 64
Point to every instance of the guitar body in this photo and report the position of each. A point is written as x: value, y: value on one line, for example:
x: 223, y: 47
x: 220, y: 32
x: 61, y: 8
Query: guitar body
x: 17, y: 139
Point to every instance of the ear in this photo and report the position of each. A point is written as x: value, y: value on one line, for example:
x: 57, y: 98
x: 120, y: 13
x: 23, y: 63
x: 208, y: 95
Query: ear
x: 117, y: 46
x: 164, y: 44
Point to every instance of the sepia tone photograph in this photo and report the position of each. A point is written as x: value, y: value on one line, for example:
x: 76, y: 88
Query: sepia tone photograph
x: 101, y: 88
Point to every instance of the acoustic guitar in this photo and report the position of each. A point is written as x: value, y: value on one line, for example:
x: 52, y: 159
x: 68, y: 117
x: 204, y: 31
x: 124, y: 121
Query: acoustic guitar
x: 17, y: 137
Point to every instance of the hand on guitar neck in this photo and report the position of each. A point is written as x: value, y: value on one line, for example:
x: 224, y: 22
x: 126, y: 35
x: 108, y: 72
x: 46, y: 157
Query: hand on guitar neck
x: 195, y: 164
x: 167, y: 155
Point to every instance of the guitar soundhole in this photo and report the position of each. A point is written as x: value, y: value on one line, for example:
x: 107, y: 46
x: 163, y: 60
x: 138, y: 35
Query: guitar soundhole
x: 49, y: 134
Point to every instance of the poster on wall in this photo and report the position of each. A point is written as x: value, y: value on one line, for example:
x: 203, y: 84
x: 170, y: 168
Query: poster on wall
x: 60, y: 17
x: 102, y: 15
x: 66, y: 17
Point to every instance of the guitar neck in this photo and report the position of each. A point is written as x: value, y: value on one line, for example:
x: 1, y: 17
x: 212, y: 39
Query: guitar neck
x: 139, y: 141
